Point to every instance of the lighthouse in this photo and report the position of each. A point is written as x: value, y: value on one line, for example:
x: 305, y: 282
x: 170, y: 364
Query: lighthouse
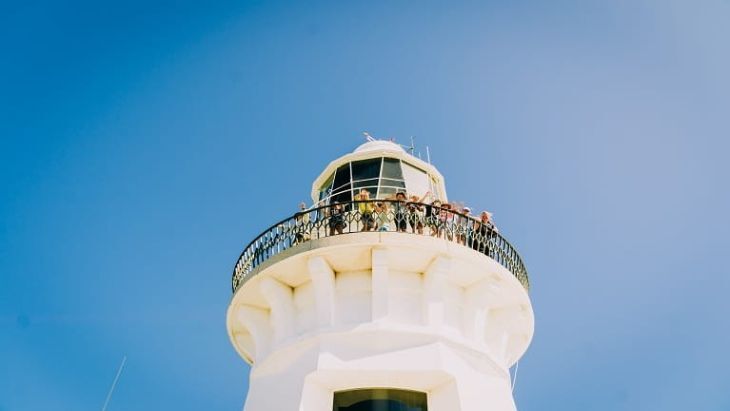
x: 380, y: 296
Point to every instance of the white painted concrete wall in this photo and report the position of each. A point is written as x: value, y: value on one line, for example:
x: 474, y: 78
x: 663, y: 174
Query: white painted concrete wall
x: 380, y: 310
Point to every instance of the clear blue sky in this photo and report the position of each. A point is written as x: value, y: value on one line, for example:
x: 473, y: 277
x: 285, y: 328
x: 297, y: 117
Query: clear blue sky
x: 143, y: 144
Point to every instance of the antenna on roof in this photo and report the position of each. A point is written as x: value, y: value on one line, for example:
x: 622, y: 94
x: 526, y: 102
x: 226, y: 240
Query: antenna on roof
x: 114, y: 384
x: 428, y: 155
x: 368, y: 137
x: 411, y: 149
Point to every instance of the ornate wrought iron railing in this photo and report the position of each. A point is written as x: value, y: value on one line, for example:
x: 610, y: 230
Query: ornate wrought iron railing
x: 378, y: 215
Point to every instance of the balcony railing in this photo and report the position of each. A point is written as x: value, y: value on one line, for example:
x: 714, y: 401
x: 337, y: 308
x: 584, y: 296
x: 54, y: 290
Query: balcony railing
x: 378, y: 215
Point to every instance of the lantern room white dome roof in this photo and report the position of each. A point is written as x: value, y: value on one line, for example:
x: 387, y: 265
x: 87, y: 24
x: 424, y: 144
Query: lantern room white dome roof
x: 379, y: 145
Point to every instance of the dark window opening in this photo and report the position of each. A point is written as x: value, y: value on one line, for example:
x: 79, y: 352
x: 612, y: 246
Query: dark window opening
x: 365, y: 183
x: 328, y: 184
x: 342, y: 177
x: 342, y: 195
x: 392, y: 183
x: 380, y: 399
x: 366, y: 169
x: 391, y: 169
x: 326, y: 188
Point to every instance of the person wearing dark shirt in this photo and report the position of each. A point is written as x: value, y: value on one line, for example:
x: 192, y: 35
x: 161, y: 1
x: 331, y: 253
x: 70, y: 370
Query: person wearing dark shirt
x: 485, y: 231
x: 337, y: 218
x: 401, y: 222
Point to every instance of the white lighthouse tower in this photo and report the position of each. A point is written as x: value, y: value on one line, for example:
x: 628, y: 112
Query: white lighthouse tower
x: 380, y: 301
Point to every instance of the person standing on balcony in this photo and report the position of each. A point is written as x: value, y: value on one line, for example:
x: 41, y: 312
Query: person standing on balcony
x: 401, y: 221
x: 432, y: 217
x: 301, y: 228
x: 382, y: 210
x: 415, y: 213
x: 463, y: 225
x: 365, y: 208
x: 337, y: 218
x: 485, y: 231
x: 446, y: 221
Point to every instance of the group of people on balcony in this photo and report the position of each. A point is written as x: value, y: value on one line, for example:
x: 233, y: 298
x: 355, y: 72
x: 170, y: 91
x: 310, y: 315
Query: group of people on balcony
x: 401, y: 213
x: 398, y: 213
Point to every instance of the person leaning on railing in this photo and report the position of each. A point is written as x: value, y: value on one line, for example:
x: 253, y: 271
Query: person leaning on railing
x: 446, y: 221
x: 463, y: 225
x: 381, y: 215
x: 485, y: 229
x: 365, y: 208
x: 415, y: 213
x: 401, y: 211
x: 432, y: 217
x: 336, y: 218
x: 302, y: 224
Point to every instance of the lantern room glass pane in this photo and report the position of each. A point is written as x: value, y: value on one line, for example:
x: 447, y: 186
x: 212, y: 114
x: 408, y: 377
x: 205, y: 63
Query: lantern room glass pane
x: 366, y: 169
x: 387, y: 192
x: 365, y: 183
x: 392, y: 183
x: 326, y: 189
x: 372, y: 189
x: 328, y: 183
x: 392, y: 169
x: 417, y: 180
x: 342, y: 196
x: 342, y: 178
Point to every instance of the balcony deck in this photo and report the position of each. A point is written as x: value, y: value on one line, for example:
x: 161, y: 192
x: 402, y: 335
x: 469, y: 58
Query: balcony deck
x: 377, y: 216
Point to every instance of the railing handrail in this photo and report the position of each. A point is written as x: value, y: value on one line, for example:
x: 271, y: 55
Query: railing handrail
x: 322, y: 214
